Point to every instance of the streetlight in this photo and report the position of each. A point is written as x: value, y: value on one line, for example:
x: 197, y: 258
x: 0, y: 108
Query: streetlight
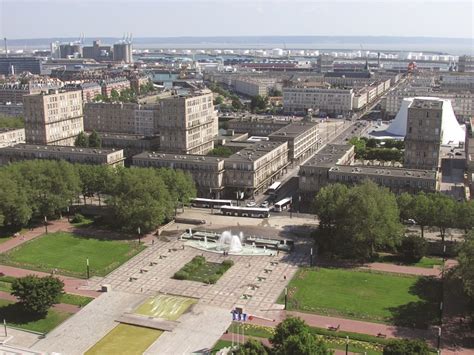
x: 87, y: 268
x: 347, y: 344
x: 439, y: 339
x: 46, y: 224
x: 311, y: 258
x: 286, y: 298
x: 138, y: 230
x: 68, y: 218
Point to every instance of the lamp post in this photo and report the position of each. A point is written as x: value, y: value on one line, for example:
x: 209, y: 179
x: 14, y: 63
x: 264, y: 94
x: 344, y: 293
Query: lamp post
x: 88, y: 268
x: 286, y: 297
x: 311, y: 258
x: 439, y: 339
x: 68, y: 218
x: 139, y: 240
x: 347, y: 345
x: 46, y: 224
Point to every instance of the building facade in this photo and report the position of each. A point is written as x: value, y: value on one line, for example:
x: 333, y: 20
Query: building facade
x: 302, y: 138
x: 424, y: 133
x: 21, y: 152
x: 255, y: 168
x: 256, y: 125
x: 18, y: 65
x: 53, y: 118
x: 207, y: 172
x: 11, y: 136
x: 123, y: 52
x: 332, y: 101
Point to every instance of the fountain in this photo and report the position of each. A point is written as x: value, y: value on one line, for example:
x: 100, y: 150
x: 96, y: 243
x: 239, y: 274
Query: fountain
x: 229, y: 242
x: 233, y: 244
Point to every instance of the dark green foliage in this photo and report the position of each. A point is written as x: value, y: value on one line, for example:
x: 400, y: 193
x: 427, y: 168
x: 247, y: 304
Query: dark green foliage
x: 77, y: 218
x: 228, y: 263
x: 37, y: 294
x: 198, y: 269
x: 258, y: 103
x: 219, y: 90
x: 406, y: 347
x: 114, y: 95
x: 372, y: 149
x: 147, y: 88
x: 237, y: 104
x: 275, y: 92
x: 218, y: 100
x: 293, y: 337
x: 465, y: 269
x: 181, y: 275
x: 82, y: 140
x: 11, y: 122
x: 357, y: 221
x: 252, y: 347
x: 220, y: 151
x: 412, y: 248
x: 94, y: 140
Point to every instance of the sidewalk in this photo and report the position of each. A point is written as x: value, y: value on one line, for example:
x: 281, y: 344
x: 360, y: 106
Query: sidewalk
x: 63, y: 307
x: 71, y: 284
x: 401, y: 269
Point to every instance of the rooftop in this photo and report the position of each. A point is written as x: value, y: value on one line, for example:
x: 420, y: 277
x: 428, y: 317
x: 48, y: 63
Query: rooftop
x: 126, y: 136
x: 329, y: 155
x: 178, y: 157
x: 427, y: 104
x: 57, y: 148
x: 3, y: 130
x: 385, y: 171
x: 294, y: 129
x: 255, y: 151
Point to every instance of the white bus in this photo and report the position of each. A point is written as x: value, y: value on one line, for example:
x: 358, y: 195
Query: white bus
x: 210, y: 203
x: 258, y: 212
x: 282, y: 205
x: 272, y: 190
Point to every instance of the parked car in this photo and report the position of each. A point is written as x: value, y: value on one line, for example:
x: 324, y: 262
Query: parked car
x: 264, y: 204
x: 251, y: 204
x: 411, y: 221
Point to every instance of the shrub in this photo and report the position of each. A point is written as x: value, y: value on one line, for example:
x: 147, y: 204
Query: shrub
x: 412, y: 248
x: 181, y: 275
x: 213, y: 279
x: 78, y: 218
x: 227, y: 263
x: 406, y: 347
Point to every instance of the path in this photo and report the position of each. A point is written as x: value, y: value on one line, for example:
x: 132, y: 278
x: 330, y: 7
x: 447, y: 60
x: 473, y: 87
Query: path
x: 402, y: 269
x: 71, y: 284
x: 63, y: 307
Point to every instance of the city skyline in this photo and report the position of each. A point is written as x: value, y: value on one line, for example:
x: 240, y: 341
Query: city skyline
x: 184, y: 18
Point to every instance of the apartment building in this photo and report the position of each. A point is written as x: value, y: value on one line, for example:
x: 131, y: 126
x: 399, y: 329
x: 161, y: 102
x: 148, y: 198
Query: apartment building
x: 188, y: 124
x: 207, y: 172
x: 423, y: 135
x: 117, y: 84
x: 331, y: 101
x: 70, y: 154
x: 466, y: 64
x: 302, y: 138
x: 53, y: 118
x: 11, y: 136
x: 131, y: 144
x: 253, y: 86
x: 17, y: 65
x: 314, y: 174
x: 457, y: 81
x: 257, y: 125
x: 254, y: 168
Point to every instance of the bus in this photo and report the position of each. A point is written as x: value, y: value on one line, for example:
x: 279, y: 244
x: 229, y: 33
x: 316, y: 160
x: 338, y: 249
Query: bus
x: 282, y: 205
x: 210, y: 203
x: 272, y: 190
x: 257, y: 212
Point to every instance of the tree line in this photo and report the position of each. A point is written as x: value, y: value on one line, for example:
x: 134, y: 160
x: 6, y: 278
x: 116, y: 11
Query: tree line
x: 136, y: 197
x: 357, y: 221
x: 371, y: 149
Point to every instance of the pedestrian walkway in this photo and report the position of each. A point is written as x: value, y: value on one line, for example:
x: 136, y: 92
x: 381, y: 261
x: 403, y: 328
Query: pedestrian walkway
x: 401, y: 269
x: 71, y: 284
x: 63, y: 307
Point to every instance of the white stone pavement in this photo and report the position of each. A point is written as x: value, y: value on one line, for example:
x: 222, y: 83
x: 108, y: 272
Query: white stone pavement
x: 196, y: 332
x: 81, y: 331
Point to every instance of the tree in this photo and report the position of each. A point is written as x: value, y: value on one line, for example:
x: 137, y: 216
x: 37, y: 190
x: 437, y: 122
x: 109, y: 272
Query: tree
x: 330, y: 204
x: 94, y: 140
x: 218, y: 100
x: 237, y: 104
x: 465, y: 268
x: 114, y: 95
x: 252, y: 347
x: 412, y: 248
x: 221, y: 151
x: 405, y: 203
x: 37, y: 294
x: 443, y: 212
x: 465, y: 215
x: 275, y: 92
x: 15, y: 209
x: 81, y: 140
x: 258, y: 102
x: 293, y: 337
x: 422, y: 211
x: 406, y: 347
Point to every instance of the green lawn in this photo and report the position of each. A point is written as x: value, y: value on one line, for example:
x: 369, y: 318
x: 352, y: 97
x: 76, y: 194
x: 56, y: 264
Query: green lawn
x: 68, y: 253
x: 379, y: 297
x: 17, y: 317
x: 426, y: 262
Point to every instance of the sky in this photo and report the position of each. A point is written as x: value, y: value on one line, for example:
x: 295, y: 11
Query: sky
x: 173, y: 18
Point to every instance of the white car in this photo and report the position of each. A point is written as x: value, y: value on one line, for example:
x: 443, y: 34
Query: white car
x: 264, y: 204
x: 251, y: 204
